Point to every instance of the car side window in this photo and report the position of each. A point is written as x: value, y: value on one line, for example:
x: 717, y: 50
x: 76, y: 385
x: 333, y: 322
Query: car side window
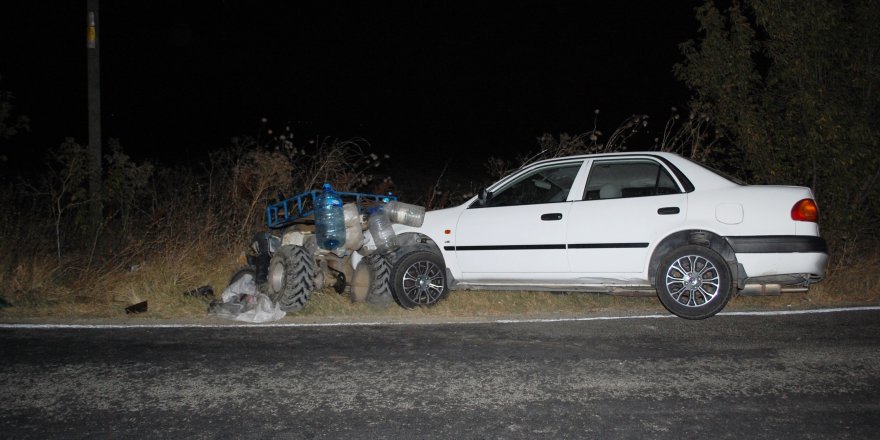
x: 543, y: 185
x: 614, y: 179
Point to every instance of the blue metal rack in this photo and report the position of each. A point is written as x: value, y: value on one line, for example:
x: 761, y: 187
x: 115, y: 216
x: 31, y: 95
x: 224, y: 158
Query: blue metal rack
x: 300, y: 206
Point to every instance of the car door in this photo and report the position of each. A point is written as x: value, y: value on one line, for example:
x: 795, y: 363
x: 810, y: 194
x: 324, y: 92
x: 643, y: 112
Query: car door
x: 520, y: 229
x: 627, y: 205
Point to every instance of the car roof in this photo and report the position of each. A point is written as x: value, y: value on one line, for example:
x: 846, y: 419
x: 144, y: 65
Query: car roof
x: 603, y: 155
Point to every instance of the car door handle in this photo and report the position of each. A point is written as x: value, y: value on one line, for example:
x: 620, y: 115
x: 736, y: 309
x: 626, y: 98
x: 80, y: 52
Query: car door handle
x: 668, y: 210
x: 551, y: 216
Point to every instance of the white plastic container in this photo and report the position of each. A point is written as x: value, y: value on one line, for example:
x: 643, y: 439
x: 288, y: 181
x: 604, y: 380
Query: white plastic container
x: 405, y: 214
x: 354, y: 227
x: 351, y: 215
x: 354, y: 237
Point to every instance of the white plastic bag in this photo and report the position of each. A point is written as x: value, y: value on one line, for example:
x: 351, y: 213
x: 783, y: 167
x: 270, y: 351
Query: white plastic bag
x: 242, y: 302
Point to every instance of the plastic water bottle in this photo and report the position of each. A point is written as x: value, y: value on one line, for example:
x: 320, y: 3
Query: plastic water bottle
x: 405, y: 214
x: 383, y: 235
x: 329, y: 219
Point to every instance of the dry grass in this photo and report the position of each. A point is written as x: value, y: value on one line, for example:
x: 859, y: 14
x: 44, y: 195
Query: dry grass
x: 45, y: 289
x: 478, y: 304
x: 48, y: 288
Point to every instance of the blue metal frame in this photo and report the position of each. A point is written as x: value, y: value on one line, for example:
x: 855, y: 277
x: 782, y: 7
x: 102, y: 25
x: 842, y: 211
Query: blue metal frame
x: 285, y: 212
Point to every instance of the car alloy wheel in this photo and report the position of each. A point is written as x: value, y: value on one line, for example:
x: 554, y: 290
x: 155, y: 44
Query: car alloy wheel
x: 692, y: 280
x: 419, y: 280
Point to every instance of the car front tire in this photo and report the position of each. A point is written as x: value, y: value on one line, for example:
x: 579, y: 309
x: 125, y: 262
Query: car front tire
x: 694, y: 282
x: 419, y: 279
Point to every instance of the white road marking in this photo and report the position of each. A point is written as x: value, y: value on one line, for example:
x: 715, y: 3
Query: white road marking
x: 381, y: 323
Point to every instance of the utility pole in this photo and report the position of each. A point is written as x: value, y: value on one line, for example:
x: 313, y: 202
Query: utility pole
x: 94, y: 82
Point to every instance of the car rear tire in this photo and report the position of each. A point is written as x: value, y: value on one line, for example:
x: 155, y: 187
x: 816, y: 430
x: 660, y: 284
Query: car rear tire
x: 419, y: 280
x: 291, y: 278
x: 694, y: 282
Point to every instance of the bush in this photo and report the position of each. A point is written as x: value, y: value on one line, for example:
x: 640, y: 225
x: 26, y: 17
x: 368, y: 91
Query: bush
x: 164, y: 230
x: 792, y: 86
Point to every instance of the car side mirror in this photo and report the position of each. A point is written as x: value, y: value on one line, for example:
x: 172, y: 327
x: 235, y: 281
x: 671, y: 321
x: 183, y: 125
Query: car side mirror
x: 484, y: 197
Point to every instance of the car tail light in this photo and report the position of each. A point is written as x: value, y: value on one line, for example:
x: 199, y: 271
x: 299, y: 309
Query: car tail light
x: 805, y: 210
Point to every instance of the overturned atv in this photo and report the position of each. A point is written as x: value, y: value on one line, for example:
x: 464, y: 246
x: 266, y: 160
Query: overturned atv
x: 345, y: 241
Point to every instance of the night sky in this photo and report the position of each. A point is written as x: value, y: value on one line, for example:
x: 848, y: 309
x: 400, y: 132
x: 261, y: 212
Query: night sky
x: 460, y: 80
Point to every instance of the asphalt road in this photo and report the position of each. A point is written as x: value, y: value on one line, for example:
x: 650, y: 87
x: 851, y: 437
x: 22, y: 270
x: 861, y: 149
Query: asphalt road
x: 792, y: 376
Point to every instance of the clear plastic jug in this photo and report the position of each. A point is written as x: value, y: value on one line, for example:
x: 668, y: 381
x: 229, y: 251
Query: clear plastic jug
x: 405, y: 214
x: 329, y: 219
x: 384, y: 236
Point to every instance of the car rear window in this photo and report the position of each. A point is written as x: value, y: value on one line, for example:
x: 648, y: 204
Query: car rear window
x: 720, y: 173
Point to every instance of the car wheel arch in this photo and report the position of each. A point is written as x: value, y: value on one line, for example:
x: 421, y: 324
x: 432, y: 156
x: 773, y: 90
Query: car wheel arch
x: 696, y: 237
x: 414, y: 241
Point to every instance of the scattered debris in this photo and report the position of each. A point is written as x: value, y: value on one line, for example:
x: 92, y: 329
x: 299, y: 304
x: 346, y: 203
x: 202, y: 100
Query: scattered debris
x: 204, y: 291
x: 140, y: 307
x: 242, y: 302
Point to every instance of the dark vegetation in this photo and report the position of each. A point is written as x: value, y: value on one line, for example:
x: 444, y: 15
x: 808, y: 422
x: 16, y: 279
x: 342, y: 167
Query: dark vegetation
x: 782, y: 92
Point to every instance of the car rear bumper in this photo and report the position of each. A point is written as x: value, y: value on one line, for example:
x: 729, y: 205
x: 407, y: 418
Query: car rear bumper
x: 778, y: 244
x: 783, y: 259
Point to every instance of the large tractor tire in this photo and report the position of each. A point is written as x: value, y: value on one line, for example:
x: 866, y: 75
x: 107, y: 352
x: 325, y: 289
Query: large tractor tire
x: 292, y: 277
x: 371, y: 282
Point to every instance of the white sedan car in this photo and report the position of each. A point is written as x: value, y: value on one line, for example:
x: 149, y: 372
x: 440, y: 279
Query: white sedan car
x: 617, y: 223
